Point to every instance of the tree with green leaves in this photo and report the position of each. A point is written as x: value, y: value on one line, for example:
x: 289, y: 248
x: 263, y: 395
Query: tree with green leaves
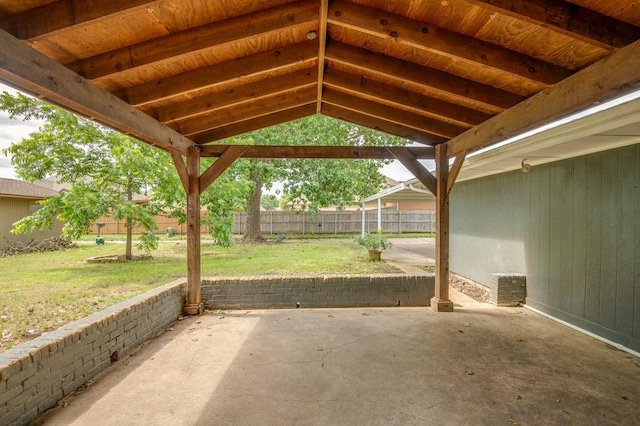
x: 102, y: 169
x: 105, y: 169
x: 309, y: 185
x: 269, y: 202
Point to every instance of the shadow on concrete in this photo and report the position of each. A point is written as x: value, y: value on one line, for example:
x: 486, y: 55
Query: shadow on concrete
x: 479, y: 365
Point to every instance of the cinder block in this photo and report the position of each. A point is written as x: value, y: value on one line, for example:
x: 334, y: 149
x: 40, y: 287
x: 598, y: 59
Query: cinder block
x: 508, y: 289
x: 11, y: 392
x: 18, y: 378
x: 15, y: 414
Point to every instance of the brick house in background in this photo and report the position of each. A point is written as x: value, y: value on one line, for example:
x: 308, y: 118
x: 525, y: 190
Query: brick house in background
x: 19, y: 199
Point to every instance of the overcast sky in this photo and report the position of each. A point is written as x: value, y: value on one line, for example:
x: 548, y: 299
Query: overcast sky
x: 12, y: 130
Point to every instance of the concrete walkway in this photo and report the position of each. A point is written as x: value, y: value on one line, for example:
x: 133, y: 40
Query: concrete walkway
x: 411, y: 254
x: 480, y: 365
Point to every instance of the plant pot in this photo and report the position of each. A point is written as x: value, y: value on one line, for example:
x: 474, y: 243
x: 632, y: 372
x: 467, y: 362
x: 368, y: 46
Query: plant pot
x: 375, y: 255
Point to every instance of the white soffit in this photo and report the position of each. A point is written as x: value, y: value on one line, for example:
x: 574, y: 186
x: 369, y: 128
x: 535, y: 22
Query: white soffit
x: 615, y: 127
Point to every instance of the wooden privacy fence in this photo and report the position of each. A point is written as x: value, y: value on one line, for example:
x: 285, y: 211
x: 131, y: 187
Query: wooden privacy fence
x: 344, y: 222
x: 286, y: 222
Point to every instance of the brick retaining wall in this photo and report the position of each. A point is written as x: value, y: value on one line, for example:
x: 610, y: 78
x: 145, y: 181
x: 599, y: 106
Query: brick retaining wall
x: 317, y: 291
x: 37, y: 374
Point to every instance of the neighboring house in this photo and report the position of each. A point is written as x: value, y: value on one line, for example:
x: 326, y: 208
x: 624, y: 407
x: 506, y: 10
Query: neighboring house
x: 402, y: 196
x: 17, y: 200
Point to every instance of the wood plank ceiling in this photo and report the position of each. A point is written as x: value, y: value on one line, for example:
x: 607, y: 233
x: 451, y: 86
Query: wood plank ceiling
x: 426, y: 70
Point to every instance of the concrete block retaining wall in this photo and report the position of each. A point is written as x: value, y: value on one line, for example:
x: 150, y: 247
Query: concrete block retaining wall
x: 317, y: 291
x: 37, y: 374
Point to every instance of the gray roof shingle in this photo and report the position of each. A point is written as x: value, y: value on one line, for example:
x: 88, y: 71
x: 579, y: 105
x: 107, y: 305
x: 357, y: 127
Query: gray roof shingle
x: 18, y: 188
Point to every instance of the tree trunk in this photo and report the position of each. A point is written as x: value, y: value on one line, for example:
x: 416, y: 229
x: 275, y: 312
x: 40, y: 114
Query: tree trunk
x: 128, y: 255
x: 252, y: 230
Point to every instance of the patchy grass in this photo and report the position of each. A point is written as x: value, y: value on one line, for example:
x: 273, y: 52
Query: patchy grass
x: 40, y: 292
x: 268, y: 237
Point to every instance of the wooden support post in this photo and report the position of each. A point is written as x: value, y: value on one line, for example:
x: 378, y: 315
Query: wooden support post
x: 440, y: 302
x: 194, y: 305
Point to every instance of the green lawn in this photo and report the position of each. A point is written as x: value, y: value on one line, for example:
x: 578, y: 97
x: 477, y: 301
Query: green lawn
x: 43, y: 291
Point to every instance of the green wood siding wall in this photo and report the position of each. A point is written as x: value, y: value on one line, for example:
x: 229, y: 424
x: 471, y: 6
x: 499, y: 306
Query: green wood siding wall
x: 572, y: 227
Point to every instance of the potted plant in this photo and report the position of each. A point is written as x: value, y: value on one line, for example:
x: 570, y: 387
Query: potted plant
x: 375, y: 243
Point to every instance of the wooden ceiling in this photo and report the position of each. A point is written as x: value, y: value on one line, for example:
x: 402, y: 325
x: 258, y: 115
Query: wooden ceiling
x: 426, y: 70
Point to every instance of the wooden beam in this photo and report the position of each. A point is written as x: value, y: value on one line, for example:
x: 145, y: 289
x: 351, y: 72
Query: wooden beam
x: 194, y: 304
x: 322, y: 35
x: 48, y: 19
x: 406, y: 157
x: 458, y: 47
x: 216, y: 75
x: 245, y: 111
x: 226, y: 159
x: 197, y: 40
x: 402, y: 98
x: 381, y: 125
x: 612, y: 76
x: 211, y: 101
x: 31, y: 71
x: 385, y: 112
x: 441, y: 302
x: 319, y: 152
x: 568, y: 19
x: 455, y: 170
x: 439, y: 84
x: 178, y: 162
x: 254, y: 124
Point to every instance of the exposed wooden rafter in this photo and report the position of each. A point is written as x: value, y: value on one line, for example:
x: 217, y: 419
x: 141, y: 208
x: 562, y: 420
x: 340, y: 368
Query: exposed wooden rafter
x: 383, y: 125
x: 208, y: 102
x: 33, y: 72
x: 216, y: 35
x: 614, y: 75
x: 385, y: 112
x: 568, y: 19
x: 50, y: 18
x: 439, y: 41
x: 464, y: 92
x: 245, y: 111
x: 403, y: 99
x: 216, y: 75
x: 241, y: 127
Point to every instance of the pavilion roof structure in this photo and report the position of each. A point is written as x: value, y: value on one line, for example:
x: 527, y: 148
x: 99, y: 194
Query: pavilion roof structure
x: 425, y: 70
x: 450, y: 75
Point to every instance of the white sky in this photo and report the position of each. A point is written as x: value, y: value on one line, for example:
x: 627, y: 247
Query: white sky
x: 11, y: 131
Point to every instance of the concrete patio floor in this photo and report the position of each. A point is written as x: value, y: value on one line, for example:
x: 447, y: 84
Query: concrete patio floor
x: 478, y: 365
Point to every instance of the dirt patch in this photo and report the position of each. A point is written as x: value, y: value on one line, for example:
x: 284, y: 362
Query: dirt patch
x: 117, y: 258
x: 475, y: 291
